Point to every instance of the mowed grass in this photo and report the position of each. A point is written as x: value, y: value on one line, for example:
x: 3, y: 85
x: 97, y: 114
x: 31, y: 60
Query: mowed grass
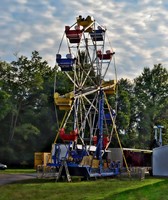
x: 111, y: 189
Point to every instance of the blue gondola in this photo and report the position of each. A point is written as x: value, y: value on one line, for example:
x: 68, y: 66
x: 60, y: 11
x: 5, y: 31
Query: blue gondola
x: 66, y: 64
x: 97, y: 35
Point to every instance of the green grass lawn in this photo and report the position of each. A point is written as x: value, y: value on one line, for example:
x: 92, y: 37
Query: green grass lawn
x: 111, y: 189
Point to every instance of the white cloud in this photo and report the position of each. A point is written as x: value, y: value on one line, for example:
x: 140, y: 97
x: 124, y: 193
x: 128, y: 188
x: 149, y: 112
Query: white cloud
x: 22, y: 1
x: 137, y: 29
x: 23, y: 37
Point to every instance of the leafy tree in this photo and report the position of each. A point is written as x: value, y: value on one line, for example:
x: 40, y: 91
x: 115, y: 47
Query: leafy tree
x: 28, y: 83
x: 124, y: 107
x: 4, y: 106
x: 4, y: 95
x: 151, y: 90
x: 161, y: 119
x: 125, y: 113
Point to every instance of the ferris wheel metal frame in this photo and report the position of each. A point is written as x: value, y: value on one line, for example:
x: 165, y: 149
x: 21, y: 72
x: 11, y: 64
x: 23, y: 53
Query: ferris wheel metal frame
x: 88, y: 112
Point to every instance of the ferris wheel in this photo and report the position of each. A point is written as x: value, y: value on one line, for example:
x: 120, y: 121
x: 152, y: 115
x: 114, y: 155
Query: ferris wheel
x: 86, y: 57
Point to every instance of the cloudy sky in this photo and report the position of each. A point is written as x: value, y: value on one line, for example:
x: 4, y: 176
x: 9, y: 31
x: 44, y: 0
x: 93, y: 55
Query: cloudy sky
x: 138, y: 29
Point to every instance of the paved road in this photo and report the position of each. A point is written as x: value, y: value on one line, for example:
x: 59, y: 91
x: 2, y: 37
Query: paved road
x: 10, y: 178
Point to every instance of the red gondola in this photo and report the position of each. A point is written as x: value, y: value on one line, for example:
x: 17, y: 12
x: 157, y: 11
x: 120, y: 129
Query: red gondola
x: 74, y: 36
x: 105, y: 141
x: 72, y: 136
x: 107, y: 56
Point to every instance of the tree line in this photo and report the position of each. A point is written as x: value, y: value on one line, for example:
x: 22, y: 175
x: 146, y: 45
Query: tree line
x: 28, y: 121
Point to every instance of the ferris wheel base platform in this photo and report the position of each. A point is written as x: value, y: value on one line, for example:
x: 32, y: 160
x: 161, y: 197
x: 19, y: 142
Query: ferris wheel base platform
x: 88, y: 172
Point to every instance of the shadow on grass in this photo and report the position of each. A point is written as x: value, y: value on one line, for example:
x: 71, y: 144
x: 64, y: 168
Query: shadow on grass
x: 154, y: 191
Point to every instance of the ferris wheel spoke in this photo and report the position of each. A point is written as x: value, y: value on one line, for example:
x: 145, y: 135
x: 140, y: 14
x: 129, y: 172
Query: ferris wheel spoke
x: 73, y: 81
x: 68, y: 116
x: 87, y: 111
x: 106, y: 70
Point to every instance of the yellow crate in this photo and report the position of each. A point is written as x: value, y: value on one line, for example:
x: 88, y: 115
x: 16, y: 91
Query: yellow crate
x: 105, y: 165
x: 87, y: 160
x: 95, y: 163
x: 41, y: 158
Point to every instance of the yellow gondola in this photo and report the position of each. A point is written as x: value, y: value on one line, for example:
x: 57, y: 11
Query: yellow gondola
x: 86, y: 23
x: 109, y: 86
x: 64, y: 102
